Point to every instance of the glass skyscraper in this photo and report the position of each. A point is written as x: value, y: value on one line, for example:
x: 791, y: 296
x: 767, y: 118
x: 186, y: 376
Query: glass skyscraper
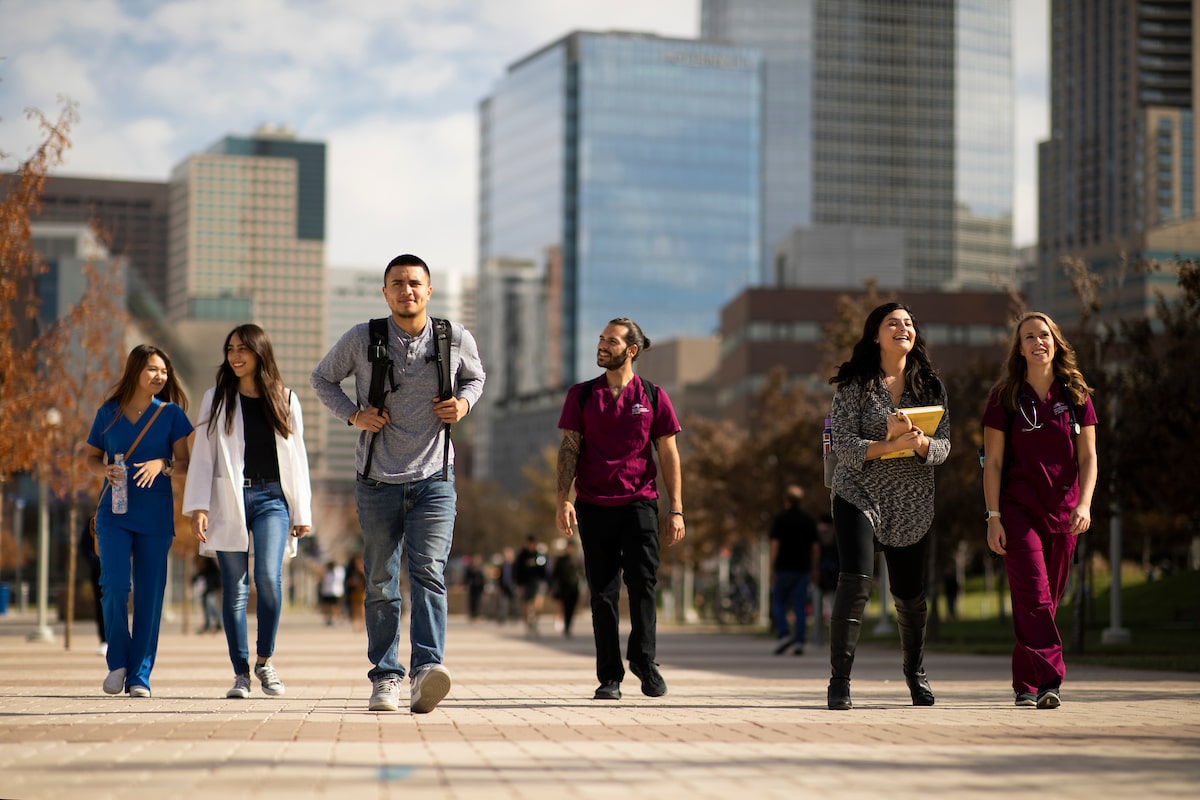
x: 626, y: 168
x: 893, y: 115
x: 1118, y: 177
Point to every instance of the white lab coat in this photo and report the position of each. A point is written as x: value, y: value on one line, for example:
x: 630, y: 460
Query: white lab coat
x: 214, y: 477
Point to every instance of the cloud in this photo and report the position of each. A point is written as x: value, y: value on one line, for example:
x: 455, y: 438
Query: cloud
x: 30, y: 24
x: 403, y: 186
x: 57, y: 71
x: 139, y: 149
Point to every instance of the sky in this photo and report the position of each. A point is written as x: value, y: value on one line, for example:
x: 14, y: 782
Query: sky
x: 392, y: 87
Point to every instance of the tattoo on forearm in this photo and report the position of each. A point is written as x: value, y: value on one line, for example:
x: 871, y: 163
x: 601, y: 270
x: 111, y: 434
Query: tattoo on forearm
x: 568, y: 460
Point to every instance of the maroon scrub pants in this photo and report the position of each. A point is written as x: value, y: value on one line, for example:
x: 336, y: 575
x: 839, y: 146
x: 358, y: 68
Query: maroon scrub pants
x: 1038, y: 563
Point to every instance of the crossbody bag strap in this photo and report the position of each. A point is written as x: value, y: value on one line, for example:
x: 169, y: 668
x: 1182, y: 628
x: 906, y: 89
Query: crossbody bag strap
x: 133, y: 446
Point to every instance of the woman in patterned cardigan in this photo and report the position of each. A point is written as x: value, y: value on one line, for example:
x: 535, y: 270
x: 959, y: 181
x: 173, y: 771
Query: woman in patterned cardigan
x: 883, y: 503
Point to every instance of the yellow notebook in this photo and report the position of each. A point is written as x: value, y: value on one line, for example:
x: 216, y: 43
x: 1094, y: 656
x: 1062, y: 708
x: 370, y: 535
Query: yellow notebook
x: 924, y: 417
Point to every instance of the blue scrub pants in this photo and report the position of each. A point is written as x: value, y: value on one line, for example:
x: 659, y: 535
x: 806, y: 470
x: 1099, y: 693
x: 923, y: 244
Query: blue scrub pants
x: 138, y: 560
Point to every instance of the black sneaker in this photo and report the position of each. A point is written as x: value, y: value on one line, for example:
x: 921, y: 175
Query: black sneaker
x: 653, y: 684
x: 783, y: 644
x: 1048, y: 698
x: 1025, y: 699
x: 609, y: 690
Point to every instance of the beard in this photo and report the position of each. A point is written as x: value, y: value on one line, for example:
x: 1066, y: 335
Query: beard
x: 612, y: 360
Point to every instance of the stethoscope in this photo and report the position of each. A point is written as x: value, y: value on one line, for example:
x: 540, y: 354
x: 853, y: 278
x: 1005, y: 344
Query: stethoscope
x: 1034, y: 423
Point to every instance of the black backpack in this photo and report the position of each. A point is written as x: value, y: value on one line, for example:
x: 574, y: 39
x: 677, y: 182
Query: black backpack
x: 381, y: 371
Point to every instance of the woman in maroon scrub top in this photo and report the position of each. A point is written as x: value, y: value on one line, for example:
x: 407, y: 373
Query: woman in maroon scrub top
x: 1039, y: 473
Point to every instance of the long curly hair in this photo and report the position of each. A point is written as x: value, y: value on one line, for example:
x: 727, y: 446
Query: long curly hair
x: 1065, y: 365
x: 125, y: 387
x: 266, y: 379
x: 865, y: 364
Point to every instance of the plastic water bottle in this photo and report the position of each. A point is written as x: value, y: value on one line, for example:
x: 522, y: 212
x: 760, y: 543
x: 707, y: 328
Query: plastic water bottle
x: 120, y: 488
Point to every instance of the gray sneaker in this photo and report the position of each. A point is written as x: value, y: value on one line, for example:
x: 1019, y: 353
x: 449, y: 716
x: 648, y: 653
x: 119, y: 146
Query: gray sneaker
x: 385, y: 693
x: 241, y: 687
x: 114, y: 682
x: 430, y: 685
x: 271, y: 685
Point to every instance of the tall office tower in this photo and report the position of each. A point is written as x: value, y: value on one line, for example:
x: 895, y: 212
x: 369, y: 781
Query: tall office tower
x: 886, y: 115
x: 1118, y: 178
x: 132, y: 214
x: 623, y: 170
x: 635, y: 160
x: 247, y: 244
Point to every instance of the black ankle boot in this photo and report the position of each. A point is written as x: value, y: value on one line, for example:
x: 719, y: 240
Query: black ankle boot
x: 838, y: 695
x: 910, y: 618
x: 845, y: 625
x: 918, y: 687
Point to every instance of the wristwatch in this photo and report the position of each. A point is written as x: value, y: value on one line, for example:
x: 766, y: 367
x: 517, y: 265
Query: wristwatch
x: 988, y: 516
x: 168, y: 467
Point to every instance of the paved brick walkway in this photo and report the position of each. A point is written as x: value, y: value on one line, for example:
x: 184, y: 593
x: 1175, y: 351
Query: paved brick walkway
x: 519, y: 723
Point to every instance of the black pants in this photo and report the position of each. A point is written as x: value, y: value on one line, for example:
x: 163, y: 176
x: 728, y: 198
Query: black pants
x: 616, y: 540
x: 569, y: 597
x: 856, y: 552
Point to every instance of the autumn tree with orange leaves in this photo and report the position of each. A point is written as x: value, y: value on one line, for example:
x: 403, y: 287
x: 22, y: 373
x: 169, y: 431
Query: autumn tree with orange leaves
x: 68, y: 363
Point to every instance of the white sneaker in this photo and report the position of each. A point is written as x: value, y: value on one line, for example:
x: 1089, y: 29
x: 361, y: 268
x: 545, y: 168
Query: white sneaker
x: 429, y: 686
x: 271, y: 685
x: 385, y: 694
x: 241, y: 687
x: 102, y: 650
x: 139, y: 691
x: 115, y: 682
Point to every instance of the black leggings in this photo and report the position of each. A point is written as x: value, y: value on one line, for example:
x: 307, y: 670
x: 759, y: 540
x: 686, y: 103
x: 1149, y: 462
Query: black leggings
x: 856, y: 552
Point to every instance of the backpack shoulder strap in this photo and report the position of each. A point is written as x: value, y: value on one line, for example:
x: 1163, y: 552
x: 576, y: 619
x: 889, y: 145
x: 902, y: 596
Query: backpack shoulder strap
x: 443, y: 333
x: 652, y: 395
x: 585, y: 390
x: 377, y: 354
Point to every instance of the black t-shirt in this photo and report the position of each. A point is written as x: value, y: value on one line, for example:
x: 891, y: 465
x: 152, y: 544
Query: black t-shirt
x: 262, y: 462
x: 796, y: 532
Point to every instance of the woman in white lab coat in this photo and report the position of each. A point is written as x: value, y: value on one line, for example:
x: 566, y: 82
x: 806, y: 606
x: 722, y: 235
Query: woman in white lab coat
x: 248, y: 481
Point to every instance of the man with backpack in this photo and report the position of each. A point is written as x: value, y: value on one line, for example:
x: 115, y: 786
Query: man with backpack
x: 609, y: 424
x: 414, y: 377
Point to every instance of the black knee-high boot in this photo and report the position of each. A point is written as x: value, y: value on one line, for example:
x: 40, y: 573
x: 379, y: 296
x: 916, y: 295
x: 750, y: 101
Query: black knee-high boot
x: 845, y: 625
x: 910, y: 617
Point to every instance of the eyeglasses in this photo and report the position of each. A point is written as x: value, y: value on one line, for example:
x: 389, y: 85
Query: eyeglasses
x: 1033, y: 424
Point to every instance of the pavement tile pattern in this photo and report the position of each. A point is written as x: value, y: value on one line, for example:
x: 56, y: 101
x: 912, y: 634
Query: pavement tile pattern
x: 519, y: 722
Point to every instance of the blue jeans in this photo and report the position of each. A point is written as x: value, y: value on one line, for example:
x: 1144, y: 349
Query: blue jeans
x: 417, y: 517
x: 791, y: 588
x: 268, y: 519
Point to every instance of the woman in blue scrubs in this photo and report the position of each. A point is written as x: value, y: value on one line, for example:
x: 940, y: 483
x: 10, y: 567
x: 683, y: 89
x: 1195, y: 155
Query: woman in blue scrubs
x: 134, y: 546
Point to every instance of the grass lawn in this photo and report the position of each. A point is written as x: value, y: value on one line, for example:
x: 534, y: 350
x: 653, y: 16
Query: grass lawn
x: 1162, y: 617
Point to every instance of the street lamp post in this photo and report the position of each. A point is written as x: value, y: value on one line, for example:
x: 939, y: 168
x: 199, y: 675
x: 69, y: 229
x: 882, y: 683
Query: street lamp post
x: 19, y: 527
x: 43, y: 633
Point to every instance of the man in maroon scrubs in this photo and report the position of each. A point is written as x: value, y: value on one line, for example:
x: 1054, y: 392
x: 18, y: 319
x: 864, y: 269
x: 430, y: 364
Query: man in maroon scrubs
x: 609, y: 424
